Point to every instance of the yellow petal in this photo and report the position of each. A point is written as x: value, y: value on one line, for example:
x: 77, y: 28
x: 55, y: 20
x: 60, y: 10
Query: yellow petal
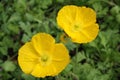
x: 38, y: 71
x: 43, y: 71
x: 60, y: 66
x: 43, y: 43
x: 66, y: 16
x: 60, y: 52
x: 27, y: 57
x: 60, y: 57
x: 71, y: 15
x: 87, y: 34
x: 85, y: 16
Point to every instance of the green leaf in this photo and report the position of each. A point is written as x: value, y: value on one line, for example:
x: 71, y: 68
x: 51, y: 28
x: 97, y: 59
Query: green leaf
x: 1, y: 61
x: 1, y: 34
x: 115, y: 10
x: 15, y: 17
x: 70, y: 45
x: 105, y: 77
x: 1, y: 7
x: 69, y: 67
x: 118, y: 18
x: 20, y: 6
x: 93, y: 74
x: 103, y: 38
x: 29, y: 17
x: 80, y: 56
x: 13, y: 28
x: 3, y: 50
x: 8, y: 66
x: 7, y: 42
x: 28, y: 77
x: 60, y: 1
x: 26, y: 27
x: 25, y: 38
x: 97, y: 6
x: 46, y: 3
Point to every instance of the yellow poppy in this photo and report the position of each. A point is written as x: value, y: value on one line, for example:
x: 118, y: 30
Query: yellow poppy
x: 43, y: 57
x: 79, y: 23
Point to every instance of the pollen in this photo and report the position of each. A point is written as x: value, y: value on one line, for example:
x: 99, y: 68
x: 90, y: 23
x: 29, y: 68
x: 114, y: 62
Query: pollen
x: 44, y: 58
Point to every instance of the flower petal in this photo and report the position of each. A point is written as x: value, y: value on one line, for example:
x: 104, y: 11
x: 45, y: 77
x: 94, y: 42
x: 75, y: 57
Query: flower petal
x: 66, y: 16
x: 87, y: 34
x: 43, y: 71
x: 27, y: 57
x: 60, y: 57
x: 71, y: 15
x: 43, y: 42
x: 85, y: 16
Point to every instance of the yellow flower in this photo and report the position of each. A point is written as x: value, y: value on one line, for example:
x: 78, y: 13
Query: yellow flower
x: 43, y: 57
x: 79, y: 23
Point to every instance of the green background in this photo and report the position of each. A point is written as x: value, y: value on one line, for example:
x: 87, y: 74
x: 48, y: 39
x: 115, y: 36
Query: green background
x: 97, y: 60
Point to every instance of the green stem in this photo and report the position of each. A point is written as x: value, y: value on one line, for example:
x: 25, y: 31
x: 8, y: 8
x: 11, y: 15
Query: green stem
x: 108, y: 2
x: 74, y: 76
x: 75, y: 60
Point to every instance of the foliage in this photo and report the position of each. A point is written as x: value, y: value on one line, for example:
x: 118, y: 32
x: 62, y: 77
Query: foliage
x: 97, y: 60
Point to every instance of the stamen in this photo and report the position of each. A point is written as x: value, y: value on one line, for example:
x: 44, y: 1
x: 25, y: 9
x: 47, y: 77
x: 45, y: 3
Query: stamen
x: 44, y: 58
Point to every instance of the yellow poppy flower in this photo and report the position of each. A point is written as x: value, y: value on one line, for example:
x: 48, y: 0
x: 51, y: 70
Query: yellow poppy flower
x: 79, y: 23
x: 43, y: 57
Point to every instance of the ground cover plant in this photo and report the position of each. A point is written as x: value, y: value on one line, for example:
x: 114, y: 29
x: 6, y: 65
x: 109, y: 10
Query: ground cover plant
x: 98, y: 59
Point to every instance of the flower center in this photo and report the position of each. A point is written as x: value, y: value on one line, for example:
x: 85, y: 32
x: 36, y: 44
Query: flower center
x: 76, y: 28
x: 44, y: 58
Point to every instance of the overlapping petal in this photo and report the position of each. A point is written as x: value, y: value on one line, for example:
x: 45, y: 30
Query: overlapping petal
x: 85, y: 16
x: 27, y: 57
x: 43, y: 71
x: 43, y: 42
x: 62, y: 51
x: 59, y: 61
x: 87, y: 34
